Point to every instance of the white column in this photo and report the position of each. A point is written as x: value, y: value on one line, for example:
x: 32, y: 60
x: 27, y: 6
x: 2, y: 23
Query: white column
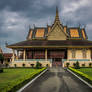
x: 13, y: 57
x: 46, y: 54
x: 24, y: 55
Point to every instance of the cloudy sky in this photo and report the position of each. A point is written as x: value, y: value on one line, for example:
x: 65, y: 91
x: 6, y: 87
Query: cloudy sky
x: 17, y: 15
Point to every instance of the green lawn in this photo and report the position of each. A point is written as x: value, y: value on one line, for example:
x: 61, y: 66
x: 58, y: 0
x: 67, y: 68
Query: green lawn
x: 87, y: 71
x: 84, y: 73
x: 13, y: 77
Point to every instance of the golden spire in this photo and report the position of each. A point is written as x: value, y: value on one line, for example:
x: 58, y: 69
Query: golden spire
x: 57, y: 16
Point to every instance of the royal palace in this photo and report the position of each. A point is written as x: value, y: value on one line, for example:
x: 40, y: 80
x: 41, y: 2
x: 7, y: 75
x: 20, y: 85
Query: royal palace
x: 54, y: 45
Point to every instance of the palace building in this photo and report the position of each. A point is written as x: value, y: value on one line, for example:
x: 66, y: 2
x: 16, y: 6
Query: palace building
x: 53, y: 45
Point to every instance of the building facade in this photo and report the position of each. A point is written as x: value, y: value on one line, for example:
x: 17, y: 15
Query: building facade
x: 53, y: 45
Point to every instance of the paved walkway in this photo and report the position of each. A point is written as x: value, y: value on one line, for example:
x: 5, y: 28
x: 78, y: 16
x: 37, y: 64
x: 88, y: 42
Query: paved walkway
x: 57, y: 80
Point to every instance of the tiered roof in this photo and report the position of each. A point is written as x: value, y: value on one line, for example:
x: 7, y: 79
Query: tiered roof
x: 49, y: 36
x: 51, y: 43
x: 42, y: 32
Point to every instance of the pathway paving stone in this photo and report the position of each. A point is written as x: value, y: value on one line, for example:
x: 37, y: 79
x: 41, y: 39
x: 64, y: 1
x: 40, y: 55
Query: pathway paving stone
x: 57, y: 80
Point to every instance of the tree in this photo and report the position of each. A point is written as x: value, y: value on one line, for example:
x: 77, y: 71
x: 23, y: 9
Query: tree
x: 1, y: 58
x: 77, y: 66
x: 38, y: 65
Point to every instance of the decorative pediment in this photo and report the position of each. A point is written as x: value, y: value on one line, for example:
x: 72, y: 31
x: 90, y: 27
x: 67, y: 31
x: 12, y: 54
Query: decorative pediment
x: 57, y: 30
x: 57, y: 33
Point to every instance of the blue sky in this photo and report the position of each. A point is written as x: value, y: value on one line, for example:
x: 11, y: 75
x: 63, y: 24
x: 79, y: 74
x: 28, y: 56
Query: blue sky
x: 17, y: 15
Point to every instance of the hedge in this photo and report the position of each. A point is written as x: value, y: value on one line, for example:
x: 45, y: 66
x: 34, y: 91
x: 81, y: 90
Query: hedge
x: 82, y: 75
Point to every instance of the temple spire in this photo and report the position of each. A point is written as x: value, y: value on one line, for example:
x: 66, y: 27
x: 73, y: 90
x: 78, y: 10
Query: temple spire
x: 57, y: 15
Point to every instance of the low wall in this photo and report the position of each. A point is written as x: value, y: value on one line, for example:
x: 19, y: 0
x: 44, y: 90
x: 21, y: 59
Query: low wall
x: 28, y: 63
x: 80, y: 63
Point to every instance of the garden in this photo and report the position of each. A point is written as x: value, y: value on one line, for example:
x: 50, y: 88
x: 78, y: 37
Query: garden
x: 83, y: 71
x: 11, y: 79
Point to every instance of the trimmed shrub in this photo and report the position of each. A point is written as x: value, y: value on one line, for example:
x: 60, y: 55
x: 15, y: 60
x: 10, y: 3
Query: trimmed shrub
x: 77, y: 66
x: 47, y: 65
x: 67, y: 64
x: 1, y: 58
x: 90, y: 64
x: 23, y: 65
x: 38, y: 65
x: 6, y: 65
x: 83, y: 65
x: 74, y: 64
x: 1, y: 70
x: 15, y: 65
x: 32, y: 65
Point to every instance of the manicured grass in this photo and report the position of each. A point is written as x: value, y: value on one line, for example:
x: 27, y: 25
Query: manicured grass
x: 87, y: 71
x: 11, y: 78
x: 84, y: 73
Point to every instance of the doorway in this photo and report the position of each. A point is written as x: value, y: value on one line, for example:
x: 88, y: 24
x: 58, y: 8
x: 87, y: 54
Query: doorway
x: 56, y: 61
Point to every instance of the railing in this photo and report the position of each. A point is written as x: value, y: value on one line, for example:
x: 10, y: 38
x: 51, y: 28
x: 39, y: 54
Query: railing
x: 30, y: 60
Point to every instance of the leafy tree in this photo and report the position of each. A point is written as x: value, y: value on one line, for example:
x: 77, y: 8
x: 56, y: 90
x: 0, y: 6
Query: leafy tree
x: 1, y: 58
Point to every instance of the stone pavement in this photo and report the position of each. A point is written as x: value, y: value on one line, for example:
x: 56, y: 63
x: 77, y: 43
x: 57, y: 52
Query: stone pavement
x: 57, y: 80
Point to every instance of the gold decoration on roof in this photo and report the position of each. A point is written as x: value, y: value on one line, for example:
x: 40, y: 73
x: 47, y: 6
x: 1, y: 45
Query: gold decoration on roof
x: 74, y: 33
x: 40, y: 33
x: 83, y: 34
x: 30, y: 35
x: 57, y: 16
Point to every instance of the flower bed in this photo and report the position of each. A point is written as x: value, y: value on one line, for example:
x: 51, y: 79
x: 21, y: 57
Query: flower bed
x: 82, y: 75
x: 12, y: 79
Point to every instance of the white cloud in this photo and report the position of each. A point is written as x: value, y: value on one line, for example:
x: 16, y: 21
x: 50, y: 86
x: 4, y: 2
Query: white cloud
x: 89, y: 31
x: 73, y: 6
x: 15, y: 23
x: 39, y: 4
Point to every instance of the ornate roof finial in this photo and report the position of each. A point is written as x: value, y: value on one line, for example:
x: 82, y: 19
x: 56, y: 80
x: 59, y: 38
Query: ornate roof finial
x: 57, y: 15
